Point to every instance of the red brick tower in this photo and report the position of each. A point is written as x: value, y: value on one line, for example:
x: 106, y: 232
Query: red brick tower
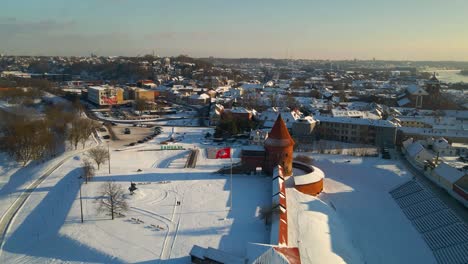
x: 279, y: 148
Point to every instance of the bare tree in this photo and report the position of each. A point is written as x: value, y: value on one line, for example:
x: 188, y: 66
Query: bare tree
x: 140, y: 105
x: 27, y: 140
x: 99, y: 155
x: 80, y: 130
x: 112, y: 200
x: 88, y: 170
x: 87, y: 128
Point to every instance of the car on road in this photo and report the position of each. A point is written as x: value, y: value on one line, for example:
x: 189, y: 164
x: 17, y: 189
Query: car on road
x: 127, y: 131
x: 106, y: 137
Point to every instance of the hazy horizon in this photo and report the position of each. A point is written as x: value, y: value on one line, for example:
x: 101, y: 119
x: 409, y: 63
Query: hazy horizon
x: 333, y: 30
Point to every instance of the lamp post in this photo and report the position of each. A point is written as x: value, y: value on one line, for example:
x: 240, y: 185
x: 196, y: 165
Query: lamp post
x: 81, y: 205
x: 230, y: 156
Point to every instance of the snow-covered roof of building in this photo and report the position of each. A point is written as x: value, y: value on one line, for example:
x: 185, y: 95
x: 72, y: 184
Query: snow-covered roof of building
x: 414, y: 149
x: 203, y: 96
x: 357, y: 121
x: 222, y: 257
x: 441, y: 143
x: 271, y: 114
x: 416, y: 90
x: 448, y: 172
x: 306, y: 119
x: 434, y: 132
x: 403, y: 102
x: 198, y: 252
x: 239, y: 110
x: 249, y: 86
x: 407, y: 142
x: 354, y: 114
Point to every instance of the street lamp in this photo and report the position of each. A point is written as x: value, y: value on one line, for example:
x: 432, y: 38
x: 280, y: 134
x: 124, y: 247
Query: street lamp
x: 81, y: 204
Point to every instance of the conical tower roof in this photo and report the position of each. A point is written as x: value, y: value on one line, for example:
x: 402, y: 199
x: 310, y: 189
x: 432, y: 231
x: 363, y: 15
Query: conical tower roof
x: 279, y: 135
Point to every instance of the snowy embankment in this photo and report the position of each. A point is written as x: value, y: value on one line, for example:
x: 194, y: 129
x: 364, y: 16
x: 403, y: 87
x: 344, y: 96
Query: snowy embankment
x: 355, y: 219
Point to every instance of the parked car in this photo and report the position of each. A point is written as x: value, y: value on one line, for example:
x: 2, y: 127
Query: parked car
x: 132, y: 144
x: 127, y: 131
x: 106, y: 137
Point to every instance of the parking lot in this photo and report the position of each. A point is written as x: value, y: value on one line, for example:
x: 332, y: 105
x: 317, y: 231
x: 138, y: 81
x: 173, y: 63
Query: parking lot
x: 136, y: 134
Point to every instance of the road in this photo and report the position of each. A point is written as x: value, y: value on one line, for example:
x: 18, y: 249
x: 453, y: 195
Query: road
x: 451, y: 202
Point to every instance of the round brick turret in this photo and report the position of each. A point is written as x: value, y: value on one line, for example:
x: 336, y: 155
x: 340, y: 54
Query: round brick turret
x: 279, y: 148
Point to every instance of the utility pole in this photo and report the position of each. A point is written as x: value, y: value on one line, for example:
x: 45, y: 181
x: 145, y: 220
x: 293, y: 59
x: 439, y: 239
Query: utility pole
x: 81, y: 205
x: 230, y: 155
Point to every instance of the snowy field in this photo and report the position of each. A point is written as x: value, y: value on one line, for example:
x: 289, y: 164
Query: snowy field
x: 48, y: 229
x: 355, y: 220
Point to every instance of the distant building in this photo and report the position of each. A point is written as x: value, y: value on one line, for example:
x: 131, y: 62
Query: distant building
x: 303, y: 129
x: 16, y: 74
x: 143, y: 94
x: 239, y: 113
x: 201, y: 99
x: 270, y: 116
x: 105, y: 95
x: 381, y: 133
x: 416, y: 152
x: 258, y: 136
x: 433, y: 89
x: 415, y: 94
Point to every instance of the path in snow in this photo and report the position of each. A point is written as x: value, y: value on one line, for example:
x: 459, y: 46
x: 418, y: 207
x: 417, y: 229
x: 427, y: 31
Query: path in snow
x: 168, y: 162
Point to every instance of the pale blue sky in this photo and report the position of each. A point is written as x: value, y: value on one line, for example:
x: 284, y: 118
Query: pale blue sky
x: 314, y: 29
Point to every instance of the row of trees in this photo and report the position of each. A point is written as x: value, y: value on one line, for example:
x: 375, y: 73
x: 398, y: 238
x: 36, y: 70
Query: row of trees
x: 80, y: 130
x: 23, y: 96
x: 229, y: 126
x: 27, y: 139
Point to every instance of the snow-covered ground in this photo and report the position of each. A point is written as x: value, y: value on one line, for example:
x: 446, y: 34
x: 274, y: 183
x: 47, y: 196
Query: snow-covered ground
x: 355, y: 220
x: 48, y: 227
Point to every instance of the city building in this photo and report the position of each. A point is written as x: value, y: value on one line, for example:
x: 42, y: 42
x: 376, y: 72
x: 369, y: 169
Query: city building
x: 105, y: 95
x: 381, y: 133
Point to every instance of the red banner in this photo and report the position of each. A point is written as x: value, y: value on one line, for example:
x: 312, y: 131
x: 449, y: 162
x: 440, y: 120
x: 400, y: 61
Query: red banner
x: 224, y: 153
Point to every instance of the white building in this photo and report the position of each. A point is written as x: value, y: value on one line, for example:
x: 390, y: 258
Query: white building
x: 105, y: 95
